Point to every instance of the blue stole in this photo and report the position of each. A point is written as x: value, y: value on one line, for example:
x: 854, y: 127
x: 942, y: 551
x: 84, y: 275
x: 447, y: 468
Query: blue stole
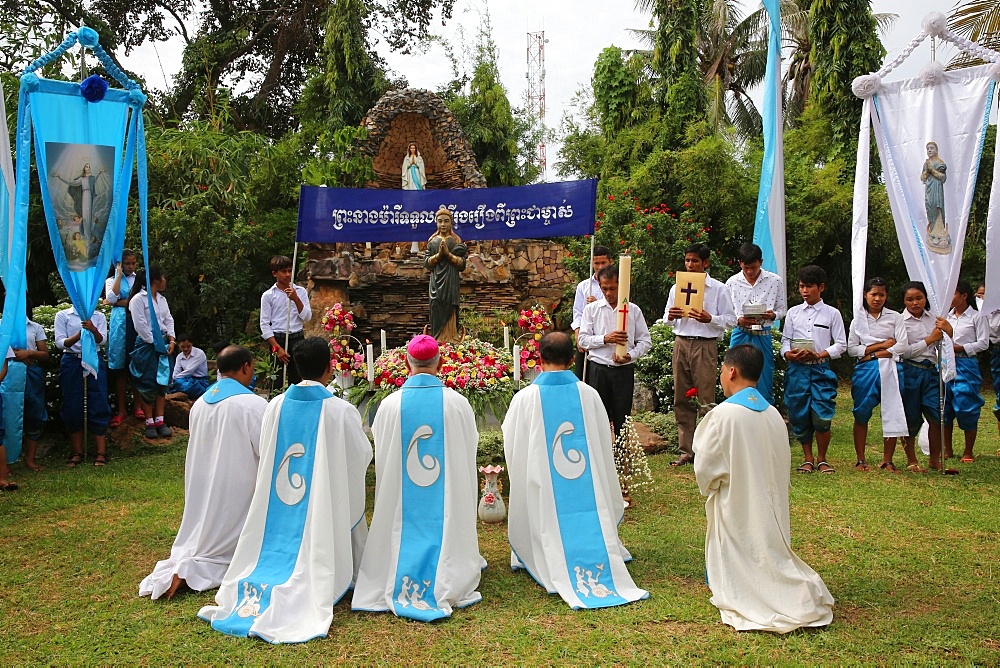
x: 750, y: 398
x: 288, y: 503
x: 12, y: 410
x: 571, y: 471
x: 415, y: 177
x: 225, y: 388
x: 422, y: 430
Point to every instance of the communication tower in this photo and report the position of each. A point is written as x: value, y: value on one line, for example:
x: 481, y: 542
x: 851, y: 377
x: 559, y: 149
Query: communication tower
x: 536, y: 88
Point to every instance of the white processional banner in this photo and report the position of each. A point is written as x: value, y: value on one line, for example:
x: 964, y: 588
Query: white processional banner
x: 930, y: 140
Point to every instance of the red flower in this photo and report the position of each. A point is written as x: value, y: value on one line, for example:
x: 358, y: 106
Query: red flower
x: 692, y: 393
x: 611, y: 198
x: 649, y: 228
x: 687, y: 203
x: 399, y: 382
x: 622, y: 242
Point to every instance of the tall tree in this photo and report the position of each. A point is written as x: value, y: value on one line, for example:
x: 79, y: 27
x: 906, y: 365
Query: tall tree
x: 845, y: 44
x: 261, y: 50
x: 497, y: 131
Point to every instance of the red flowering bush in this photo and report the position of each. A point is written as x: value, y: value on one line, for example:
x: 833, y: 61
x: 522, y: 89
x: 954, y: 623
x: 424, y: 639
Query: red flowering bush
x: 337, y: 319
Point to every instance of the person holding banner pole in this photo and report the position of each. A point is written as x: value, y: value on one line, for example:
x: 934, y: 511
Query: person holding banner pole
x: 85, y: 404
x: 278, y: 318
x: 116, y: 292
x: 588, y: 291
x: 921, y: 381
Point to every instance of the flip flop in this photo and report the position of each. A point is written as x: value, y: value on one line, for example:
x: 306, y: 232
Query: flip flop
x: 861, y: 465
x: 117, y: 421
x: 9, y: 487
x: 916, y: 468
x: 806, y: 467
x: 74, y: 460
x: 888, y: 466
x: 828, y: 469
x: 968, y: 460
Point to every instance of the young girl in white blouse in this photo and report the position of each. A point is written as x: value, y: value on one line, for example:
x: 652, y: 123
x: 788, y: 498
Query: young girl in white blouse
x: 964, y: 401
x: 875, y: 381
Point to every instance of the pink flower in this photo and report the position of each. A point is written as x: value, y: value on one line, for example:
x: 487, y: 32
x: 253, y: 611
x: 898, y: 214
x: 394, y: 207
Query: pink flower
x: 489, y: 499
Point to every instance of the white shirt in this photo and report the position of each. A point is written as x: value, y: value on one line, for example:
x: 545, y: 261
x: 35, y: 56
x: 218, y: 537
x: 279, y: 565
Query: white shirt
x: 819, y: 322
x: 194, y: 365
x: 970, y: 330
x: 717, y: 302
x: 139, y: 308
x: 767, y: 290
x: 889, y: 325
x: 586, y: 288
x: 67, y: 324
x: 917, y: 329
x: 600, y: 318
x: 126, y: 287
x: 35, y: 333
x: 274, y: 312
x: 994, y: 322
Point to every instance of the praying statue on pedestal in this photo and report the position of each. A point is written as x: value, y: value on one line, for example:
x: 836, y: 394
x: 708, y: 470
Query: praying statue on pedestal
x: 414, y: 177
x: 933, y: 176
x: 446, y: 261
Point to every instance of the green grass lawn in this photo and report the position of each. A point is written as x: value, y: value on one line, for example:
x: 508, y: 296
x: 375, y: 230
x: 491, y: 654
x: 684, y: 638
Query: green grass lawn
x: 911, y: 560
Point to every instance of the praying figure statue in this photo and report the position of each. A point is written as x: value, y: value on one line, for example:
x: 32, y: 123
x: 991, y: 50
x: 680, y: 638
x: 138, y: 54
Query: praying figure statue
x: 933, y: 176
x: 446, y: 262
x: 414, y: 177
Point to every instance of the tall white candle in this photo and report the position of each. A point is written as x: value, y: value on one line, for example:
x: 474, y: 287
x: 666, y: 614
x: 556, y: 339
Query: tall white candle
x: 624, y: 285
x: 370, y: 349
x: 506, y: 337
x: 383, y: 341
x: 517, y: 364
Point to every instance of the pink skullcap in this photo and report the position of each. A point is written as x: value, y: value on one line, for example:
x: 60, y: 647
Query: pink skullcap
x: 422, y: 347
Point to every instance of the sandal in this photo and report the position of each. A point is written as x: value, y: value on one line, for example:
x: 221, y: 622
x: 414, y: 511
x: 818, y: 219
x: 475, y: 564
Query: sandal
x: 101, y: 459
x: 828, y: 469
x: 806, y: 467
x: 75, y: 459
x: 888, y: 466
x: 861, y: 465
x: 117, y: 421
x: 967, y: 460
x: 916, y: 468
x: 9, y: 486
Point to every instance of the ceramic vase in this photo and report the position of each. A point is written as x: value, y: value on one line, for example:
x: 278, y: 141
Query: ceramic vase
x: 492, y: 509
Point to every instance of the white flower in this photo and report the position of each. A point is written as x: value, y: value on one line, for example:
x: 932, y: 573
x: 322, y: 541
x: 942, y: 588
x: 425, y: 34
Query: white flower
x: 934, y: 24
x: 932, y: 73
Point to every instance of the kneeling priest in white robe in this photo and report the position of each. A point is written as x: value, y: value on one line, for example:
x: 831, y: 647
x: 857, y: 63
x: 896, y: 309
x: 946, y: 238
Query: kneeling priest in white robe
x: 299, y: 549
x: 565, y: 498
x: 742, y: 463
x: 422, y: 558
x: 219, y: 474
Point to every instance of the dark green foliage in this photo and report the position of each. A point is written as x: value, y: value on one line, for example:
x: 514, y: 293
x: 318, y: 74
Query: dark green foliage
x: 616, y: 90
x: 680, y: 87
x: 845, y: 45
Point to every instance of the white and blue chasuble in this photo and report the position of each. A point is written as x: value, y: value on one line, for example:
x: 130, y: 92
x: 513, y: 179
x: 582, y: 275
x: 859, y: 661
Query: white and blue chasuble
x: 565, y: 500
x: 305, y: 531
x: 422, y: 558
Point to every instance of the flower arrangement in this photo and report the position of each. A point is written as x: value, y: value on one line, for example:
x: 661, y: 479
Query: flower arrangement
x: 338, y: 320
x: 633, y: 469
x: 476, y: 369
x: 345, y: 360
x: 534, y: 322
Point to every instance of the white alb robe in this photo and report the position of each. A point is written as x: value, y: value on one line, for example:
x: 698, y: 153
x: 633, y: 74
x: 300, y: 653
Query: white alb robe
x: 299, y: 549
x: 742, y: 463
x: 422, y: 558
x: 562, y: 476
x: 219, y: 474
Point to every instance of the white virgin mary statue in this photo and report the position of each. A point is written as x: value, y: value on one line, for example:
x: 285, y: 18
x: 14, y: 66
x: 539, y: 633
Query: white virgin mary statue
x: 414, y: 177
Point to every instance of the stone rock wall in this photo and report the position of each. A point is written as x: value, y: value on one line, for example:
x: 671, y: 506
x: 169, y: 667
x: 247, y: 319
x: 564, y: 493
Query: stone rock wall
x: 386, y: 286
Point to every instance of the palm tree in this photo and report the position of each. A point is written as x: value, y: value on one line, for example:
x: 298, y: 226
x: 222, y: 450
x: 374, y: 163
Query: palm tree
x: 979, y: 20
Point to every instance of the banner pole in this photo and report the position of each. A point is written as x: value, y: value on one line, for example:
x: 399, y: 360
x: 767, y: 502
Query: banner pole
x: 288, y: 319
x: 85, y: 416
x: 590, y: 293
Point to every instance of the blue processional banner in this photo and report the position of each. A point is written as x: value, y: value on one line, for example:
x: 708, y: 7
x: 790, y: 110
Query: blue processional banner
x: 85, y: 146
x: 544, y: 210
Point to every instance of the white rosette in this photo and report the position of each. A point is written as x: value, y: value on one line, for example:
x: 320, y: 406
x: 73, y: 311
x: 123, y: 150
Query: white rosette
x: 866, y: 85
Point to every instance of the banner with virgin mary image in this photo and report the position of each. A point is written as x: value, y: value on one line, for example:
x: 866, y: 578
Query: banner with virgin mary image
x: 87, y: 137
x: 930, y: 139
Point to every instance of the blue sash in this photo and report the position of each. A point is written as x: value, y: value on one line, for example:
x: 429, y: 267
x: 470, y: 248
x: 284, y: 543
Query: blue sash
x: 583, y: 543
x: 749, y: 397
x: 223, y: 389
x: 415, y: 177
x: 422, y: 429
x: 117, y: 354
x: 287, y: 506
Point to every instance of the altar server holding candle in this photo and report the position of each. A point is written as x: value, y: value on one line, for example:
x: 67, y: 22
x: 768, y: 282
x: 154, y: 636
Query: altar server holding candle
x: 610, y: 372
